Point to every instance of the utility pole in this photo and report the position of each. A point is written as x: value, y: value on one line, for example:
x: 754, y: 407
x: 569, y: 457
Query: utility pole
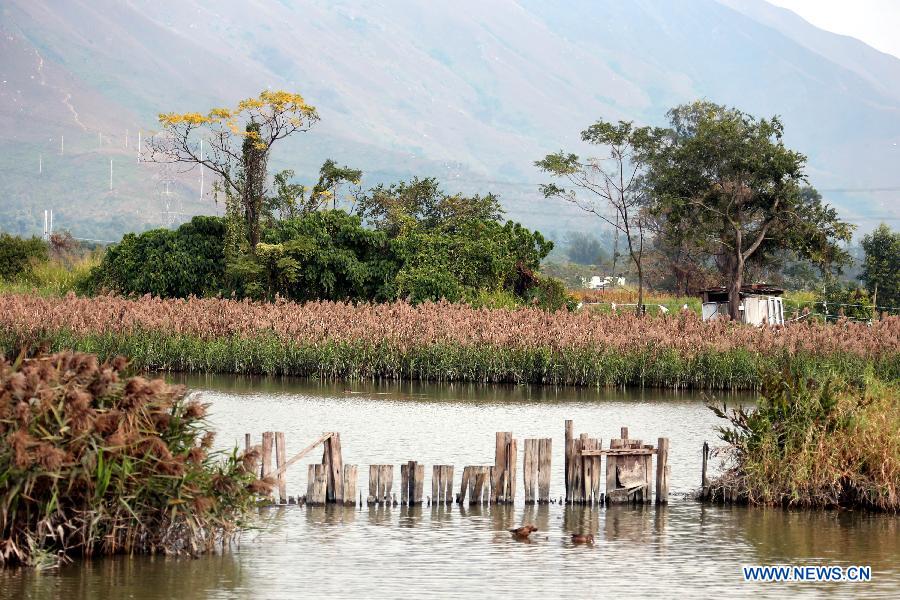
x: 110, y: 174
x: 126, y: 138
x: 139, y: 146
x: 62, y: 145
x: 40, y: 164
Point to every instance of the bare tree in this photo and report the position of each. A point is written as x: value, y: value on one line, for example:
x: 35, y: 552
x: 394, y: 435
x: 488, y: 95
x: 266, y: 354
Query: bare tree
x: 609, y: 187
x: 235, y: 144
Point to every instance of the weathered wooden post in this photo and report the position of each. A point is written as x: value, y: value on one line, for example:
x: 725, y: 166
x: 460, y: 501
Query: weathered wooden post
x: 704, y: 482
x: 611, y: 465
x: 464, y: 484
x: 280, y: 458
x: 662, y: 471
x: 501, y: 449
x: 478, y: 485
x: 317, y: 485
x: 349, y: 485
x: 530, y: 469
x: 544, y: 461
x: 569, y: 466
x: 268, y: 439
x: 442, y: 484
x: 331, y: 456
x: 412, y: 483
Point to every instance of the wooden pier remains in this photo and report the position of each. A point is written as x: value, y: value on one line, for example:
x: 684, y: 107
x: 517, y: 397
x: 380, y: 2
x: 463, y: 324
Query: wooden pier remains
x: 629, y: 473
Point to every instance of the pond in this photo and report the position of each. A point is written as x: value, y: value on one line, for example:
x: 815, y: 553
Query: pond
x: 683, y: 548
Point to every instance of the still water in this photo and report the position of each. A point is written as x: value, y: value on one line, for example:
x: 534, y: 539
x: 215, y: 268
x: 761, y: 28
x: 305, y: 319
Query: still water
x: 673, y: 551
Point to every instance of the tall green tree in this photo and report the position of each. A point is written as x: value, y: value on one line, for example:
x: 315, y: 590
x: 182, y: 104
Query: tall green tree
x: 609, y: 186
x: 726, y: 180
x: 881, y: 268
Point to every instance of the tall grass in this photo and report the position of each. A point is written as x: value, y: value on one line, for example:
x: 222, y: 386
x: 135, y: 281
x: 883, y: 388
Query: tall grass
x: 93, y: 463
x: 444, y: 342
x: 814, y: 443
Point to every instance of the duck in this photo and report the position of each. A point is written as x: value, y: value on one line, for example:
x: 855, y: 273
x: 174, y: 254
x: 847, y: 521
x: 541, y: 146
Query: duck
x: 522, y: 533
x: 582, y: 538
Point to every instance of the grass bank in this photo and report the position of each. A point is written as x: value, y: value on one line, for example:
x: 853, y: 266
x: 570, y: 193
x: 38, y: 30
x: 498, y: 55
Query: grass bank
x: 814, y: 443
x: 443, y: 342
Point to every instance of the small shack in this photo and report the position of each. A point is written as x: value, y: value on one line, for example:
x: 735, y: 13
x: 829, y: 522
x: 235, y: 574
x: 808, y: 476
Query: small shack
x: 761, y: 304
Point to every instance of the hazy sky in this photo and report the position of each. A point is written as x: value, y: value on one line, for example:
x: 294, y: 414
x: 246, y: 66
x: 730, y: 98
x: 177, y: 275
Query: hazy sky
x: 876, y: 22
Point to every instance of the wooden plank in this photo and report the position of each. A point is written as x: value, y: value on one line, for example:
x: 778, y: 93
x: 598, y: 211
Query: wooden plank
x: 320, y: 490
x: 349, y: 485
x: 303, y: 452
x: 482, y: 475
x: 619, y: 452
x: 448, y: 484
x: 632, y: 466
x: 436, y: 483
x: 310, y: 482
x: 585, y: 467
x: 595, y: 470
x: 577, y: 472
x: 569, y: 467
x: 662, y: 471
x: 624, y: 433
x: 545, y: 451
x: 247, y: 443
x: 280, y: 456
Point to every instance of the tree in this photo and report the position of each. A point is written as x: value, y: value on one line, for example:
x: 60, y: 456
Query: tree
x: 584, y: 249
x: 610, y: 186
x: 236, y: 144
x: 422, y: 201
x: 331, y: 178
x: 727, y: 182
x: 881, y: 268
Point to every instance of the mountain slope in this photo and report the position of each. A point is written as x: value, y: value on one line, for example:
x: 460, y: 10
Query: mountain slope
x: 472, y: 92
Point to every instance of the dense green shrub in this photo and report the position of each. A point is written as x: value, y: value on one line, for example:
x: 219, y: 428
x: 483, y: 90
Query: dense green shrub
x: 814, y: 441
x: 167, y: 263
x: 19, y: 255
x: 323, y: 255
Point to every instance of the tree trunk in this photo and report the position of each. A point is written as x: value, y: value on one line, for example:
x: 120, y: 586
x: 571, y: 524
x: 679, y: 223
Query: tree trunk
x: 735, y: 282
x: 640, y: 298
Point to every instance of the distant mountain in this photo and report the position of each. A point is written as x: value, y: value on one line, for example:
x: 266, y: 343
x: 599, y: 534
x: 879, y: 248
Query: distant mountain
x: 471, y: 92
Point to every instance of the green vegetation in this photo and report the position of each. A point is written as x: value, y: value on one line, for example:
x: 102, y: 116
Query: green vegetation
x: 815, y: 442
x: 881, y: 268
x: 19, y: 255
x: 94, y: 464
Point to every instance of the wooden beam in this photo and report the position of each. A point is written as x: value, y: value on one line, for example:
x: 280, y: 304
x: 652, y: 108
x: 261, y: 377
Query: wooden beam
x: 620, y: 452
x: 301, y: 454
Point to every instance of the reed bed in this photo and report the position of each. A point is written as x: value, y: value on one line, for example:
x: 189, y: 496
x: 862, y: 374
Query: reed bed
x: 442, y: 341
x: 93, y: 463
x: 815, y: 444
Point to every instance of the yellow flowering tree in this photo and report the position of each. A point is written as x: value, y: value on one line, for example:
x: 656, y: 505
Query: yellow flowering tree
x: 236, y: 145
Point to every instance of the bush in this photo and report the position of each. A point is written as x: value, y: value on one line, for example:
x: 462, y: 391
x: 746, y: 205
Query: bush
x: 814, y: 443
x: 172, y: 264
x: 18, y: 256
x: 94, y: 464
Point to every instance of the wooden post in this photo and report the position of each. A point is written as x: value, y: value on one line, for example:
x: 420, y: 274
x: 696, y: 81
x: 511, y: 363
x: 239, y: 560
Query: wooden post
x: 512, y: 458
x: 648, y: 477
x: 544, y: 455
x: 530, y: 469
x: 448, y: 484
x: 419, y: 486
x: 704, y: 482
x: 349, y: 485
x: 404, y: 485
x: 441, y: 484
x: 482, y: 475
x: 569, y: 467
x: 373, y: 484
x: 501, y: 450
x: 595, y: 471
x: 331, y: 456
x: 583, y: 492
x: 662, y: 471
x: 464, y: 484
x: 317, y: 485
x: 624, y: 434
x: 611, y: 480
x: 280, y: 457
x: 385, y: 483
x: 247, y: 443
x: 267, y: 440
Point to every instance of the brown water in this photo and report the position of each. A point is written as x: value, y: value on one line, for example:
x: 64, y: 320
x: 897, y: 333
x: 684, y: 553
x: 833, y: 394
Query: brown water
x: 681, y: 549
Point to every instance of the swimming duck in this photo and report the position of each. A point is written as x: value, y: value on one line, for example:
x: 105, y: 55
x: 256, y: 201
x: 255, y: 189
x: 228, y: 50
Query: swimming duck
x: 522, y: 533
x: 582, y: 538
